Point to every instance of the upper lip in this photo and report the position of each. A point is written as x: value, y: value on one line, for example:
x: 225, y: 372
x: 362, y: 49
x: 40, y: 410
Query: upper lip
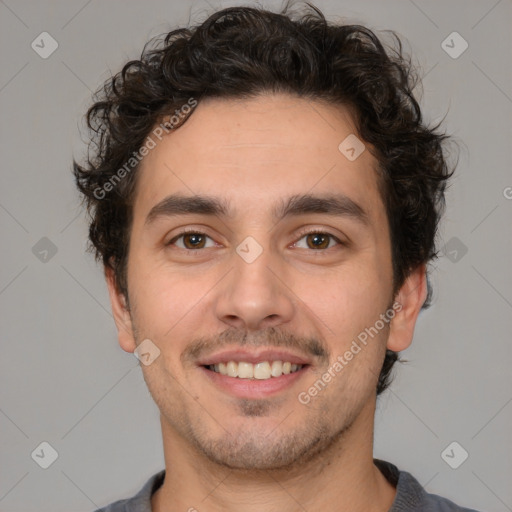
x: 254, y: 356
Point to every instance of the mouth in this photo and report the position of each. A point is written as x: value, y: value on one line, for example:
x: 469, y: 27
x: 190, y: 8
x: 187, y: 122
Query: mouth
x: 248, y: 375
x: 263, y: 370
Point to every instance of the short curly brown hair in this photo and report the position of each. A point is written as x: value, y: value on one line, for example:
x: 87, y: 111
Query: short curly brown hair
x: 241, y: 52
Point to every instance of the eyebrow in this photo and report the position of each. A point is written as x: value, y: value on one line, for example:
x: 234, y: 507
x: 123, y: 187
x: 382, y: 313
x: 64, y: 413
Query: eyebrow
x: 330, y: 204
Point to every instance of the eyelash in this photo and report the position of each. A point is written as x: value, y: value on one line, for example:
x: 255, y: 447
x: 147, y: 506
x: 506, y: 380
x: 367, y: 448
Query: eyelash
x: 301, y: 235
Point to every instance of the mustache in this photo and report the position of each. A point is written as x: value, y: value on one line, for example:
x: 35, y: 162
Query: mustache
x: 205, y: 346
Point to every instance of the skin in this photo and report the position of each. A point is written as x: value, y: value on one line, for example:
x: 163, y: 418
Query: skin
x: 223, y: 452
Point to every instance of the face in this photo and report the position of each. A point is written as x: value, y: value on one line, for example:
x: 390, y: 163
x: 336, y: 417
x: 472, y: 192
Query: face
x: 286, y: 260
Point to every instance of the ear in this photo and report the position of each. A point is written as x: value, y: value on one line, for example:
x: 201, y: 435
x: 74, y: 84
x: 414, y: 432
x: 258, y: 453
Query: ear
x: 121, y: 313
x: 409, y: 300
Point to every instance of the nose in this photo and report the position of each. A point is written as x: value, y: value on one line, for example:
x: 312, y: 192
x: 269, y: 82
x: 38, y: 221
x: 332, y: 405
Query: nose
x: 255, y: 296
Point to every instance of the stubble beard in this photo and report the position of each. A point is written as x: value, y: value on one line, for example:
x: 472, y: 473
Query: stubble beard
x: 250, y: 450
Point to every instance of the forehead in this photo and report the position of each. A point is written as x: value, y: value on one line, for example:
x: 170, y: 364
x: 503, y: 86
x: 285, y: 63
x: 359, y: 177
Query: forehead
x: 257, y: 150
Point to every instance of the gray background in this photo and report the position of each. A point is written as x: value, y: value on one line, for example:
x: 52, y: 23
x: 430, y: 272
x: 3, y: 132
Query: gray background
x: 64, y: 379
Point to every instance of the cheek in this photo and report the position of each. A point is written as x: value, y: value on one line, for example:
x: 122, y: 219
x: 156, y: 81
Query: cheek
x: 160, y: 299
x: 349, y: 304
x: 347, y: 300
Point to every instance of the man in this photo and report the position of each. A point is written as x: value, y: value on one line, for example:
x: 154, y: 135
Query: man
x: 264, y: 197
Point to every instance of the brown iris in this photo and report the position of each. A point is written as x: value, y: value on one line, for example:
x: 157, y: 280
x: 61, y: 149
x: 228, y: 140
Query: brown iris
x: 320, y: 240
x: 197, y: 240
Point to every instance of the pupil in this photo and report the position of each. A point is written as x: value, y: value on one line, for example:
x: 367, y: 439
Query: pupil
x: 194, y: 239
x: 318, y: 239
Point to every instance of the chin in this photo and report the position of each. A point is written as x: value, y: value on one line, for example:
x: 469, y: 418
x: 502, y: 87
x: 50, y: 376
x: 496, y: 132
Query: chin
x: 265, y: 452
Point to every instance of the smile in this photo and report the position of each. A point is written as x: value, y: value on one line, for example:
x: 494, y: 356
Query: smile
x: 262, y: 371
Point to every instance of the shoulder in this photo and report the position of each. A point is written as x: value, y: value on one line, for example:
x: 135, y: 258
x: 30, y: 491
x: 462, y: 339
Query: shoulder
x: 118, y: 506
x: 410, y: 495
x: 141, y: 502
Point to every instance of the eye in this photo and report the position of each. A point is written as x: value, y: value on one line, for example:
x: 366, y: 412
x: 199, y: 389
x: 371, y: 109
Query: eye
x: 318, y: 240
x: 191, y: 240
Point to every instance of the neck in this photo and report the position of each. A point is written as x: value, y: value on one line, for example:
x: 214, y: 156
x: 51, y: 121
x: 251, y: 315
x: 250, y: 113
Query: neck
x: 345, y: 474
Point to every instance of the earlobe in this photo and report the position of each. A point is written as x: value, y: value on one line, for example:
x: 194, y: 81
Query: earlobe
x: 409, y: 300
x: 121, y: 313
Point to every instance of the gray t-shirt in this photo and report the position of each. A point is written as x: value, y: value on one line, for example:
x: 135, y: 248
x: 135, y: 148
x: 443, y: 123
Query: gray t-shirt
x: 410, y: 496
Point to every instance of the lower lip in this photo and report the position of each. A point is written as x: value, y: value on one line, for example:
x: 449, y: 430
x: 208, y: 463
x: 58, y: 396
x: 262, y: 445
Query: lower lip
x: 253, y: 388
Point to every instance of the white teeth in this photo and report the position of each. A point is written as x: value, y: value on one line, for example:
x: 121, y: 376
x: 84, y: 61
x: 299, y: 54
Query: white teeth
x: 232, y: 369
x: 277, y: 368
x: 263, y: 370
x: 245, y: 370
